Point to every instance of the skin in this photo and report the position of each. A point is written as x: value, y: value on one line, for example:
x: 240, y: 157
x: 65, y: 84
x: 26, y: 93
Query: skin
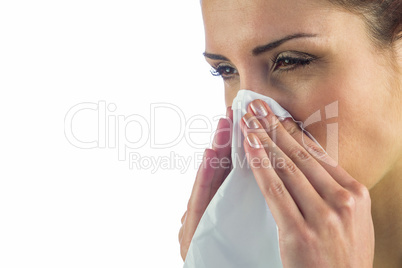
x: 348, y: 68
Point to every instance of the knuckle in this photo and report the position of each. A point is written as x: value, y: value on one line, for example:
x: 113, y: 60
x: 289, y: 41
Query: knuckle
x: 307, y: 237
x: 361, y: 191
x: 304, y: 239
x: 330, y: 220
x: 345, y: 202
x: 298, y: 153
x: 265, y: 140
x: 286, y: 167
x: 276, y: 188
x: 300, y: 237
x: 316, y: 151
x: 270, y: 123
x: 291, y: 127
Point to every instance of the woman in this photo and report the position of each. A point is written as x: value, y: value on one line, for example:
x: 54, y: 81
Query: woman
x: 306, y: 55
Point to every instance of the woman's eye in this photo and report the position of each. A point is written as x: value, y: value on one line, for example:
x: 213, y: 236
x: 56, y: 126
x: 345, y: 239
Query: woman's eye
x: 287, y: 63
x: 225, y: 71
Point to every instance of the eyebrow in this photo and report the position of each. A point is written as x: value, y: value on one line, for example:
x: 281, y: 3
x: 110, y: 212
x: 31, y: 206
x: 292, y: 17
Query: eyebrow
x: 264, y: 48
x: 215, y: 56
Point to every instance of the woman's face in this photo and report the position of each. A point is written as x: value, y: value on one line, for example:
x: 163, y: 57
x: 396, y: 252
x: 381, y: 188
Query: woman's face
x: 313, y: 59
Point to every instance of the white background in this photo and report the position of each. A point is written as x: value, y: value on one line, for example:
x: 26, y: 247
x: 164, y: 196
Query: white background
x: 64, y: 206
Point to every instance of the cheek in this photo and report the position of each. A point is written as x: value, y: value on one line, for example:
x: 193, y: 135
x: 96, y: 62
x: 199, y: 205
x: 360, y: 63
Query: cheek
x: 340, y: 114
x: 362, y: 139
x: 317, y: 107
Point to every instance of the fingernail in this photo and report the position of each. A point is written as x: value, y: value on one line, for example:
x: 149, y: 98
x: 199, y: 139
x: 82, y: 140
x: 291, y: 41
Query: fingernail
x: 250, y: 121
x: 258, y: 108
x: 253, y: 141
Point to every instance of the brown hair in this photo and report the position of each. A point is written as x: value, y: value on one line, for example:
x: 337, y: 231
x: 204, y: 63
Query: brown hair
x: 383, y: 17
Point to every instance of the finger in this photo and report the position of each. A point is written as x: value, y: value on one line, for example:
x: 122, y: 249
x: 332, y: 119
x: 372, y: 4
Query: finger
x: 301, y: 190
x: 199, y: 200
x: 329, y: 164
x: 340, y: 175
x: 321, y: 180
x: 283, y: 207
x: 222, y: 147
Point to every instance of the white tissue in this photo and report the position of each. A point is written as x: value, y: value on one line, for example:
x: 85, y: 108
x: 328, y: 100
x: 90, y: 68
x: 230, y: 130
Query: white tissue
x: 237, y: 229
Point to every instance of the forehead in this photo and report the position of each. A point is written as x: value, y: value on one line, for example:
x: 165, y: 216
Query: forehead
x: 250, y: 22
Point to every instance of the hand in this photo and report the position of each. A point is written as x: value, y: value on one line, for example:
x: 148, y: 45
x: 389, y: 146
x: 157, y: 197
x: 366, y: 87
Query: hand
x: 209, y: 178
x: 323, y: 214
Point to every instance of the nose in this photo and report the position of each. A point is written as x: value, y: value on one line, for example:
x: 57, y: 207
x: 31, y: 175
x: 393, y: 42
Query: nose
x: 257, y: 80
x: 255, y: 77
x: 254, y: 80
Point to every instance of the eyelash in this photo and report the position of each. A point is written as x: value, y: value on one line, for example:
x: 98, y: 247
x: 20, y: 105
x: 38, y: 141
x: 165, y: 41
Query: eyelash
x: 219, y: 71
x: 293, y: 61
